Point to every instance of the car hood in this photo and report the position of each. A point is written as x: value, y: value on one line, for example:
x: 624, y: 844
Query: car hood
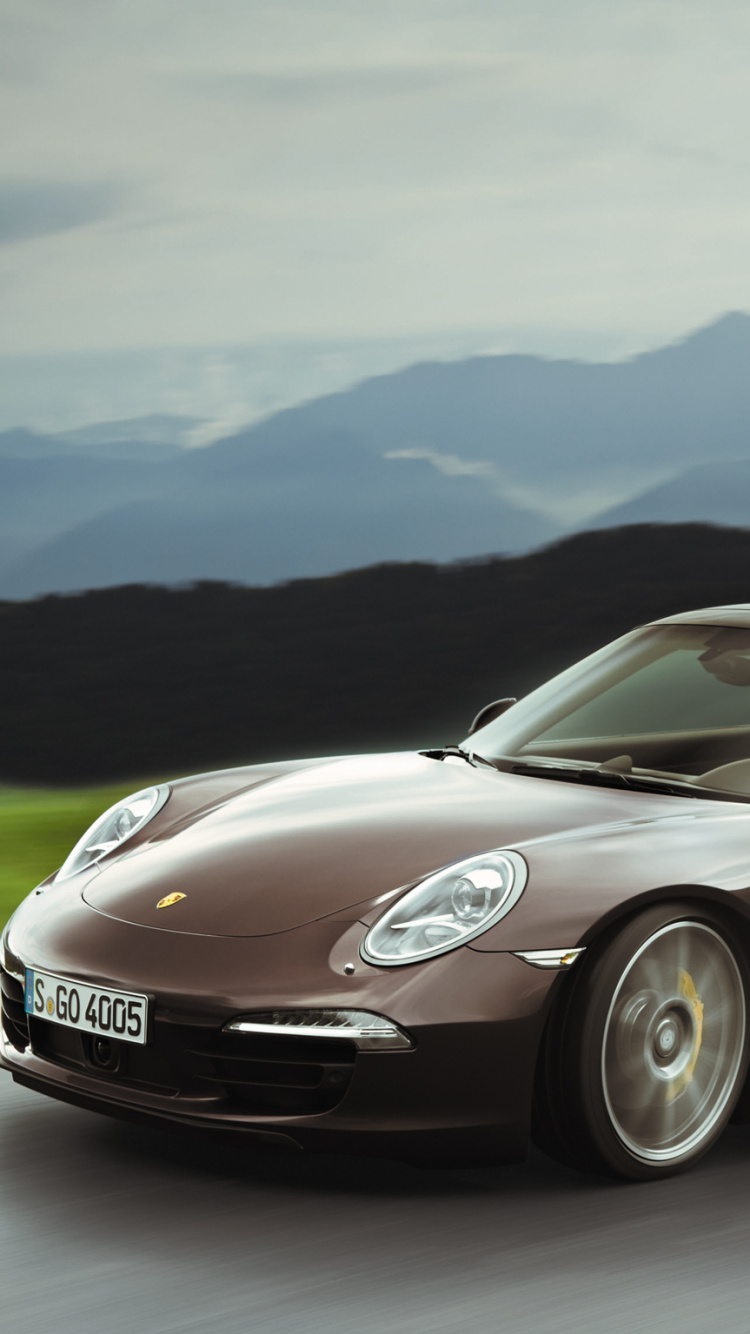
x: 338, y: 838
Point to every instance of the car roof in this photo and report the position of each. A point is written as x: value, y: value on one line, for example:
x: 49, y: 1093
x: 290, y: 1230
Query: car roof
x: 737, y: 614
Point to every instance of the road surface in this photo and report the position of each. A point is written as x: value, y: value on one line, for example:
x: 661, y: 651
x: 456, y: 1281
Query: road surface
x: 106, y: 1228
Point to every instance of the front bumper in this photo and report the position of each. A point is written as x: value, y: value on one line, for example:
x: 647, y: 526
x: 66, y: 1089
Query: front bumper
x: 462, y: 1095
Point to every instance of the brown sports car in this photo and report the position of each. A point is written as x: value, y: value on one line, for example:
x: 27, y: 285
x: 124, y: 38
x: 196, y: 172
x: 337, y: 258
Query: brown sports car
x: 544, y: 930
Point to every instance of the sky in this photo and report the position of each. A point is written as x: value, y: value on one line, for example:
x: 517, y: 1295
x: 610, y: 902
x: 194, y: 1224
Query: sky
x: 356, y: 181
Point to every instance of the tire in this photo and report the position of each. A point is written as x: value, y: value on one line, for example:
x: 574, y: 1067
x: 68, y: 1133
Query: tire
x: 647, y: 1053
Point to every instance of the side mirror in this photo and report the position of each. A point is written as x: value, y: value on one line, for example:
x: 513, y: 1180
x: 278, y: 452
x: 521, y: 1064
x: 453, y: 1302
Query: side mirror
x: 489, y: 713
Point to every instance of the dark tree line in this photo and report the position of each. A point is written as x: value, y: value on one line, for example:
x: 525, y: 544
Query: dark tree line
x: 141, y: 680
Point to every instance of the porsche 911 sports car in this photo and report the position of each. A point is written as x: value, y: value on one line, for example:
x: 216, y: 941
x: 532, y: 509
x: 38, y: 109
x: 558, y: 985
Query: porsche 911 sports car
x: 543, y: 931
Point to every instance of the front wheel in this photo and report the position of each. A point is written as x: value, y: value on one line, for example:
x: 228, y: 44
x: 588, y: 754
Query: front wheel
x: 652, y: 1052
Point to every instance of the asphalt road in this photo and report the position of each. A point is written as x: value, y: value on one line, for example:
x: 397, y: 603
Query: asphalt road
x: 105, y: 1228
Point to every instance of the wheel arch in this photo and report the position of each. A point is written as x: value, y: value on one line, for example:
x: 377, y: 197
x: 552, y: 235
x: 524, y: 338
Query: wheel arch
x: 729, y: 904
x: 734, y: 910
x: 735, y: 915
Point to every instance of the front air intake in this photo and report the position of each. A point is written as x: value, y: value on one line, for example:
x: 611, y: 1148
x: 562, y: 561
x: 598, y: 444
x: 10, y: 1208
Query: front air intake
x: 15, y: 1019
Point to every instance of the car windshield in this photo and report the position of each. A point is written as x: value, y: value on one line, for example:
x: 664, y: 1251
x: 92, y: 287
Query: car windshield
x: 668, y: 699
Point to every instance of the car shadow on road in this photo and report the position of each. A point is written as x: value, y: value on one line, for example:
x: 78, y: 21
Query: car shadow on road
x: 34, y: 1127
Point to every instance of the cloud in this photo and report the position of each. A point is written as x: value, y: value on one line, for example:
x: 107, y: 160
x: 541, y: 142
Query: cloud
x: 40, y: 208
x: 545, y: 497
x: 549, y: 177
x: 450, y: 464
x: 322, y: 85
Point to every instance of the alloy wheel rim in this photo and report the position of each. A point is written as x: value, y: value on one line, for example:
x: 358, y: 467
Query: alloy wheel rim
x: 673, y: 1042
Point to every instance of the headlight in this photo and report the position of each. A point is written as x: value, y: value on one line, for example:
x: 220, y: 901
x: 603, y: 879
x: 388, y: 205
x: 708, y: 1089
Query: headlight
x: 447, y: 909
x: 113, y: 828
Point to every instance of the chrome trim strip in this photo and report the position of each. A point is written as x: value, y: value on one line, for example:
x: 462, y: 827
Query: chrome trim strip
x: 372, y: 1039
x: 549, y: 958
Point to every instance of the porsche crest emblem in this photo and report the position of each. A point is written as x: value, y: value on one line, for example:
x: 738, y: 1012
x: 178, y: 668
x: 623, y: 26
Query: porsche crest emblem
x: 169, y: 900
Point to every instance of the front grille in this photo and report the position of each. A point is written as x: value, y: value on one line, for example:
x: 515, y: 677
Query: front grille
x: 259, y: 1074
x: 15, y: 1019
x: 281, y: 1075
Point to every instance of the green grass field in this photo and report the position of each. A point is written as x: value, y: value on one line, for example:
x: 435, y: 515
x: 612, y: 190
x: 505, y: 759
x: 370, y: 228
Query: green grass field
x: 37, y: 830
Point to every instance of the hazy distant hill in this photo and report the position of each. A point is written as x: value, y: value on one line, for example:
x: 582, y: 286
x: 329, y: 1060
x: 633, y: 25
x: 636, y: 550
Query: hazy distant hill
x: 712, y: 493
x: 150, y: 439
x: 339, y: 508
x: 41, y: 497
x: 158, y: 428
x: 23, y: 444
x: 560, y: 436
x: 438, y: 461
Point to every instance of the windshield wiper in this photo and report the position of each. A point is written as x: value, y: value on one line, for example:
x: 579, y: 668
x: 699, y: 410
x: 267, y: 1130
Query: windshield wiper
x: 571, y: 773
x: 601, y: 776
x: 471, y: 757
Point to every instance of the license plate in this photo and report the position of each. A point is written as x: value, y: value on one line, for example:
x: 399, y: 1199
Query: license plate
x: 115, y: 1014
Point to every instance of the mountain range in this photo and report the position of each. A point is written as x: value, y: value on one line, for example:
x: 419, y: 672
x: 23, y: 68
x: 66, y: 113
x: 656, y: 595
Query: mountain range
x: 441, y: 461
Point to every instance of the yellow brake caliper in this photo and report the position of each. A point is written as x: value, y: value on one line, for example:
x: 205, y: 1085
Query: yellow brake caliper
x: 687, y: 988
